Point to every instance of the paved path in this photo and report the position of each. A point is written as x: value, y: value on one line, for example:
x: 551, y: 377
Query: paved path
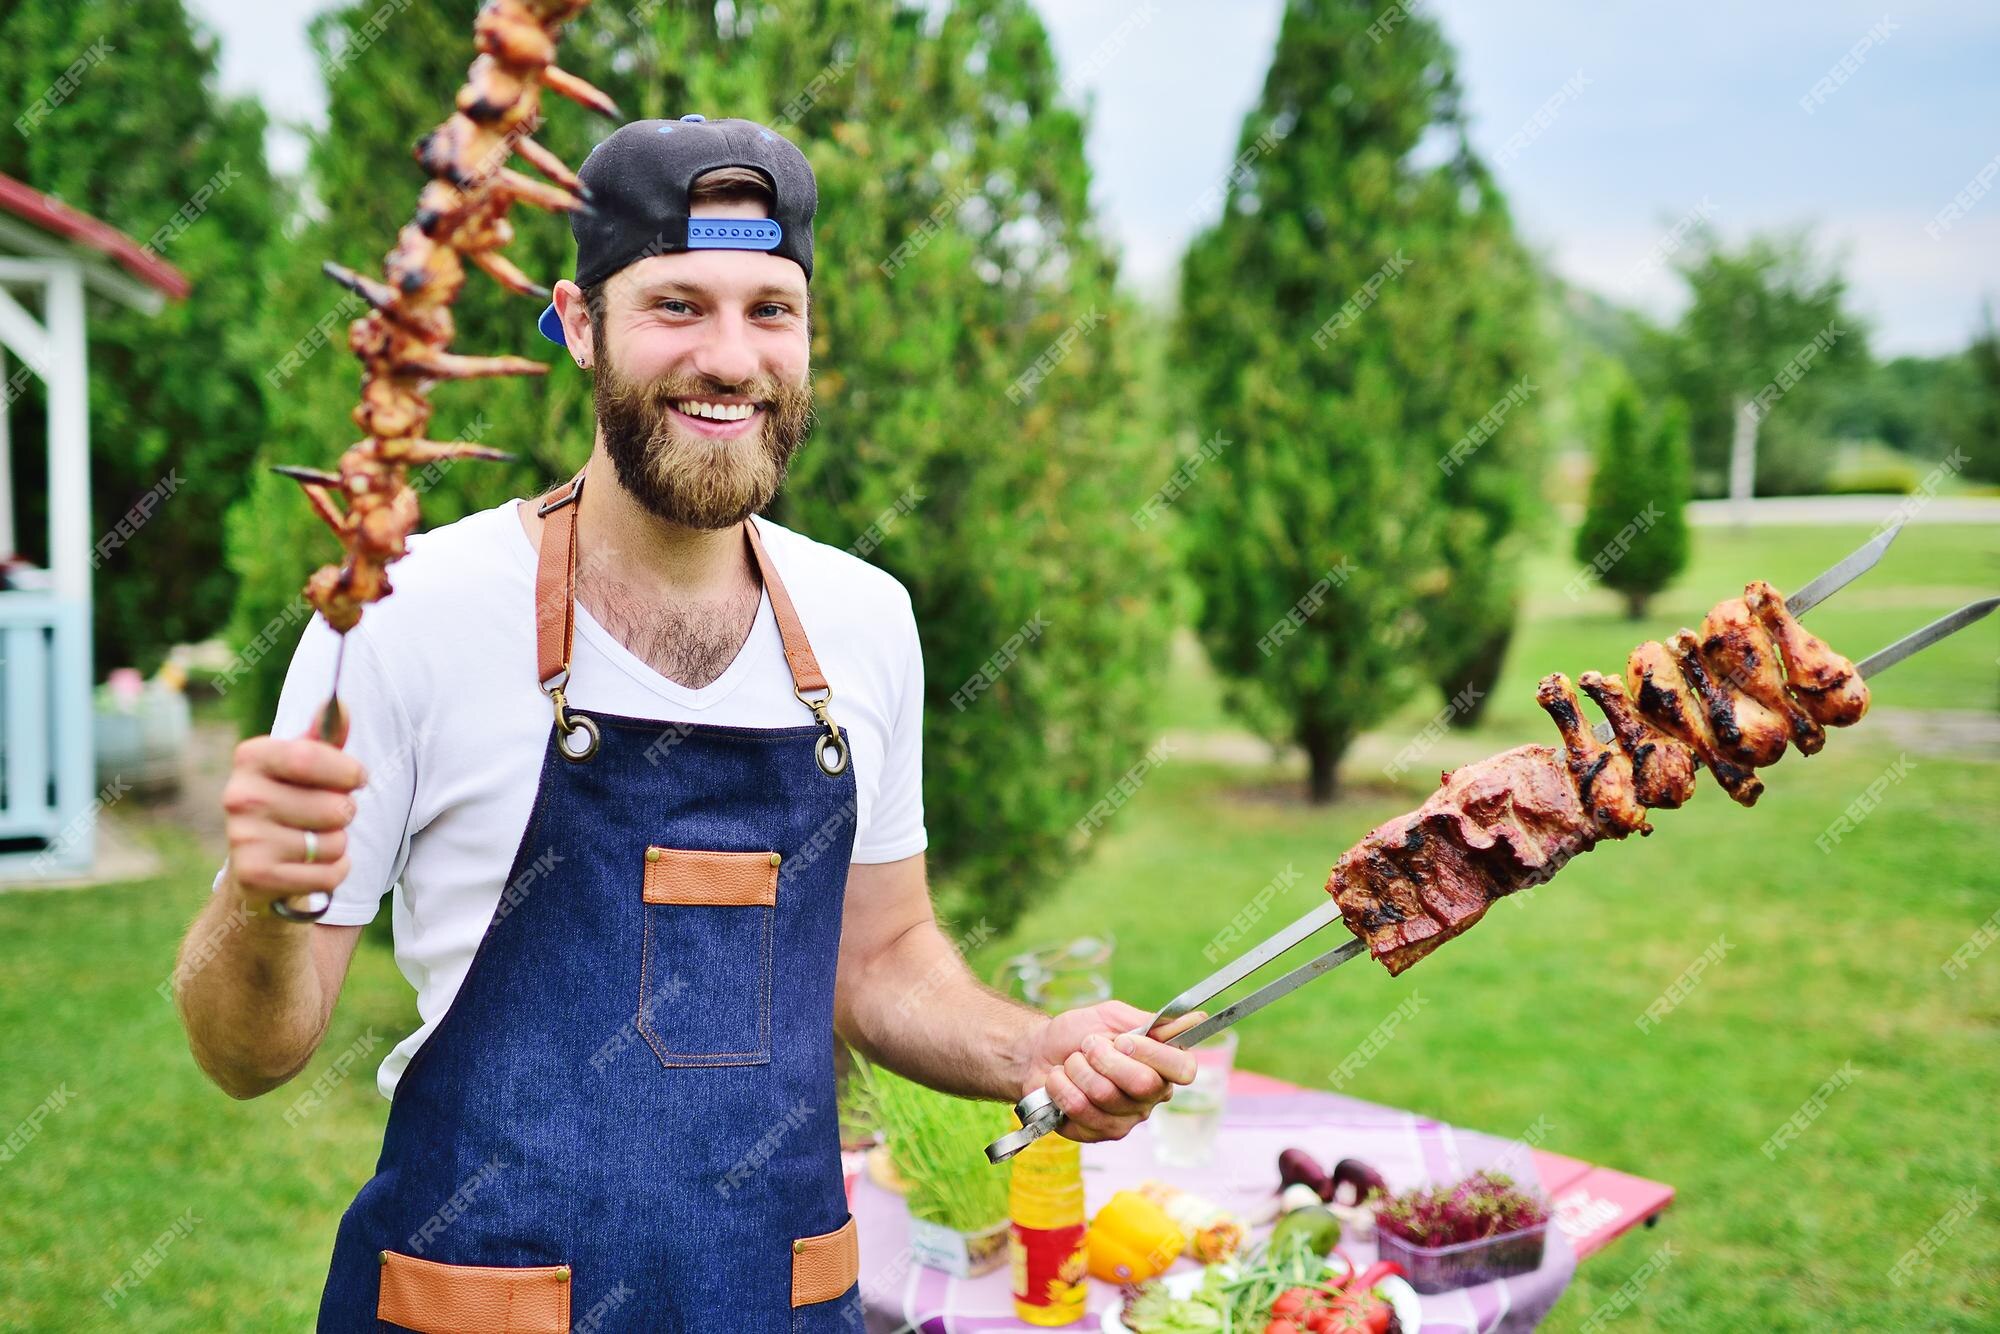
x: 1840, y: 511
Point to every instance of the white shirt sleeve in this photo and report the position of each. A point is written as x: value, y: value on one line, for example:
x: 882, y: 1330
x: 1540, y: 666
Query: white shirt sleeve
x: 896, y: 828
x: 381, y: 736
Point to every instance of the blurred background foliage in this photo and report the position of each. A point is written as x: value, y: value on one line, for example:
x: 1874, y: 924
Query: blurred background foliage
x: 1329, y: 452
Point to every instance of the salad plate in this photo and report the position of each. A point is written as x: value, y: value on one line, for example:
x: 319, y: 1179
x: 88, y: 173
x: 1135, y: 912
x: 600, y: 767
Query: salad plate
x: 1402, y: 1299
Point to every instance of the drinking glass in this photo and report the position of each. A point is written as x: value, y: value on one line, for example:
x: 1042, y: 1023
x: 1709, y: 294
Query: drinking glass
x: 1185, y: 1127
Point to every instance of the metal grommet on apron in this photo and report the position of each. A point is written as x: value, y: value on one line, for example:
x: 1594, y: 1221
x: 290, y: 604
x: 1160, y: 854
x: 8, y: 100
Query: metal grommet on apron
x: 626, y: 1120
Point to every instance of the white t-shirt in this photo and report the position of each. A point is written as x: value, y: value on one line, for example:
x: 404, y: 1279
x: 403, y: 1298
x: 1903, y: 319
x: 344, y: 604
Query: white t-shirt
x: 448, y: 719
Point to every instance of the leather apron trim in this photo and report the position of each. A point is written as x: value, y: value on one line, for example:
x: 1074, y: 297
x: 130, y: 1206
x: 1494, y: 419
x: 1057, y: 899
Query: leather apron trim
x: 825, y: 1266
x: 432, y: 1298
x: 555, y: 594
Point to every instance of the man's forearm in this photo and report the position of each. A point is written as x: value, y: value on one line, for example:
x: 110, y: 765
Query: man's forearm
x: 919, y: 1011
x: 249, y: 995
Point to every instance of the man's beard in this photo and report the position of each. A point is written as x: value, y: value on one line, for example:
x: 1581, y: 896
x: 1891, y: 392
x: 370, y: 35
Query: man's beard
x: 685, y: 478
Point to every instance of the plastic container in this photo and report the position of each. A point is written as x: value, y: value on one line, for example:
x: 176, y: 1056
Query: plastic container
x: 1443, y: 1268
x: 1045, y: 1242
x: 960, y: 1254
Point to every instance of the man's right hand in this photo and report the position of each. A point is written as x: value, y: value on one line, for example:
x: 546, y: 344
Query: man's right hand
x: 278, y: 789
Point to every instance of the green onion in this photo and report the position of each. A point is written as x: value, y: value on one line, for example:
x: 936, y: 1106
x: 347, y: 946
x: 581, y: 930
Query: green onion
x: 938, y: 1144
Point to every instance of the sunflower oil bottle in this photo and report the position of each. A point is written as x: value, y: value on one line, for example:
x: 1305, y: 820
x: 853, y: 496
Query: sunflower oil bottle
x: 1045, y: 1245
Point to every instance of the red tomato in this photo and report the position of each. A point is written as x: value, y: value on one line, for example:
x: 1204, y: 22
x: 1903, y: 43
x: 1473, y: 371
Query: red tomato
x: 1320, y: 1319
x: 1292, y: 1301
x: 1281, y: 1326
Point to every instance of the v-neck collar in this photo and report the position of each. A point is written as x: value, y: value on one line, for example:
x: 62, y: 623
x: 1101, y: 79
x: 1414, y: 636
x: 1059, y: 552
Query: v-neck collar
x: 763, y: 630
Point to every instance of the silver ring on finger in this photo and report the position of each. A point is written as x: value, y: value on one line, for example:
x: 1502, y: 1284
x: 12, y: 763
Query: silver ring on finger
x: 312, y: 847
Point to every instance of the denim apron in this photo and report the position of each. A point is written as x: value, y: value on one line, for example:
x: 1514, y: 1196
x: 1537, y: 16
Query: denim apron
x: 626, y: 1119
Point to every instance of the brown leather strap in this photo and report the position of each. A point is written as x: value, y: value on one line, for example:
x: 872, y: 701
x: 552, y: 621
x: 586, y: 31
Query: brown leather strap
x: 798, y: 652
x: 555, y: 583
x: 555, y: 595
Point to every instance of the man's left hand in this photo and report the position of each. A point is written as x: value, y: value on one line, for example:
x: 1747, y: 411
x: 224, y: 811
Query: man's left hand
x: 1105, y: 1081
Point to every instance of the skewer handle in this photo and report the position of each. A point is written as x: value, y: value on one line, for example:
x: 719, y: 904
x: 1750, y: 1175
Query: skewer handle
x: 330, y: 726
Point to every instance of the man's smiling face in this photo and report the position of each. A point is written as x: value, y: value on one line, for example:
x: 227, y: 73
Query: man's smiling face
x: 702, y: 387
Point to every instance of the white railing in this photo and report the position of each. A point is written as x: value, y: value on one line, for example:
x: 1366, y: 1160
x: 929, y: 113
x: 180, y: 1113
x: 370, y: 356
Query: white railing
x: 47, y: 806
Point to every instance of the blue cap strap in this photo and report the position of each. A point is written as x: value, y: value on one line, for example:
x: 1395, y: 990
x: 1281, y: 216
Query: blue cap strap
x: 734, y: 234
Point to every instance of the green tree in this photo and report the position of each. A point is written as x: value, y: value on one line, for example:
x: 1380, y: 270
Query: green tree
x: 1634, y: 535
x: 977, y: 429
x: 175, y: 399
x: 1766, y: 335
x: 1354, y: 325
x: 1980, y: 431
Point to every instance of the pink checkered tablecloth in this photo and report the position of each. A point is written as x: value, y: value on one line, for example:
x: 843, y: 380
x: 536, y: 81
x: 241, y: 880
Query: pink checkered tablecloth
x: 1265, y: 1117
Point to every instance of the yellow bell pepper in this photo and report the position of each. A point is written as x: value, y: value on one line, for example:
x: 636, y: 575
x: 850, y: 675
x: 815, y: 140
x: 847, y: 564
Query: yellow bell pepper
x: 1132, y: 1239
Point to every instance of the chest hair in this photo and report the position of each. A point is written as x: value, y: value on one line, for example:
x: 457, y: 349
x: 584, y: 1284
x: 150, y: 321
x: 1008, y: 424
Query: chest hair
x: 689, y: 643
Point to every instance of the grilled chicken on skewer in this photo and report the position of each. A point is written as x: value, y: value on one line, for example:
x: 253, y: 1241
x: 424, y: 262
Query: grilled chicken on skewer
x: 1663, y: 769
x: 1740, y: 651
x: 1826, y: 684
x: 1602, y: 774
x: 1667, y: 701
x: 402, y: 339
x: 1744, y: 730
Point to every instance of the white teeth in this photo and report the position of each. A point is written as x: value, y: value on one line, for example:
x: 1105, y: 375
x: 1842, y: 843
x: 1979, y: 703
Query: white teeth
x: 721, y: 412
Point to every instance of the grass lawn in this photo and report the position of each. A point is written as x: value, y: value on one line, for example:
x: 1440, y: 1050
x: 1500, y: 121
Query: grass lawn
x: 217, y: 1214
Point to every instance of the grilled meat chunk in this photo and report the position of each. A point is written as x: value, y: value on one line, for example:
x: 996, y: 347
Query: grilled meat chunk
x: 1741, y: 655
x: 1665, y: 699
x: 1662, y: 768
x: 1826, y: 684
x: 1603, y: 774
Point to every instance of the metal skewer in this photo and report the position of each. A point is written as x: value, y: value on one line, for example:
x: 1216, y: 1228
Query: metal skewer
x: 1038, y: 1111
x: 331, y: 727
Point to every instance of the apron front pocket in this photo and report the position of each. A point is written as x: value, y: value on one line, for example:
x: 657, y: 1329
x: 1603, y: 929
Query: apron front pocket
x: 433, y: 1298
x: 705, y: 966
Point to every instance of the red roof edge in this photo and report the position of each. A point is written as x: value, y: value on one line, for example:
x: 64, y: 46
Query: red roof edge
x: 52, y: 215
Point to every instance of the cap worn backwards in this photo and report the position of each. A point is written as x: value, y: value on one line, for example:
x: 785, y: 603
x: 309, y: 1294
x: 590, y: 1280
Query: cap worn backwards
x: 640, y: 179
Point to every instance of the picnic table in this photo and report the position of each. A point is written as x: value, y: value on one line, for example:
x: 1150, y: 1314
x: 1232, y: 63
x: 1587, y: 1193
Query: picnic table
x: 1592, y: 1206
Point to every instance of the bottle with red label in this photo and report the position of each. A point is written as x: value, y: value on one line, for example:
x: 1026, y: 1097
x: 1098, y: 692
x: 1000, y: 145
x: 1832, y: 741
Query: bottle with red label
x: 1046, y: 1242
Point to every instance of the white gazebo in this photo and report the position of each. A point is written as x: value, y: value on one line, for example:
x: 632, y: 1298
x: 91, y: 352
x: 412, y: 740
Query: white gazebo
x: 50, y: 257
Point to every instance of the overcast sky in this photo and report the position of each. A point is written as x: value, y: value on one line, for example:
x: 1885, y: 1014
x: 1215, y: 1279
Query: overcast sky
x: 1669, y: 110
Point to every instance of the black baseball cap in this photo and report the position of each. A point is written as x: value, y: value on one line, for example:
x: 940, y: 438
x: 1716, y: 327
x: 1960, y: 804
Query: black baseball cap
x: 640, y: 177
